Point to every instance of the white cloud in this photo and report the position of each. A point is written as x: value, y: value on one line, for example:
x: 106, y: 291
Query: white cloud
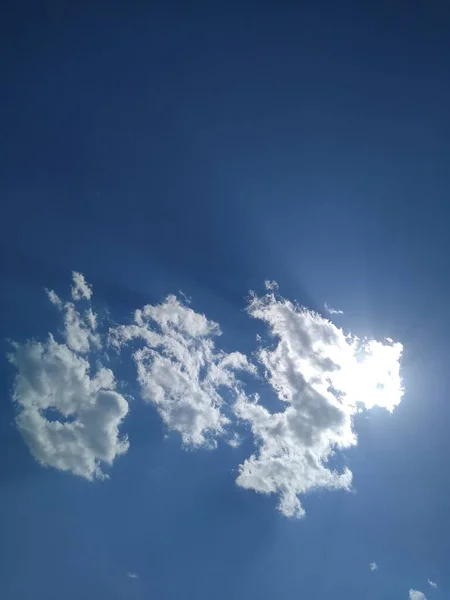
x: 416, y: 595
x: 432, y: 583
x: 91, y: 319
x: 79, y: 332
x: 234, y: 441
x: 373, y: 566
x: 333, y: 311
x: 80, y: 289
x: 54, y: 299
x: 180, y: 371
x: 271, y: 286
x: 68, y: 416
x: 133, y: 575
x: 187, y: 299
x: 320, y: 375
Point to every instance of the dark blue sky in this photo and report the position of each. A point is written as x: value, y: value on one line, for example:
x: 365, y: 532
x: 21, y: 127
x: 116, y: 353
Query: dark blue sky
x: 207, y: 148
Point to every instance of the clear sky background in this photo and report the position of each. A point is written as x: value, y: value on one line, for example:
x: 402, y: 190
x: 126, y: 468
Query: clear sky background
x: 208, y: 147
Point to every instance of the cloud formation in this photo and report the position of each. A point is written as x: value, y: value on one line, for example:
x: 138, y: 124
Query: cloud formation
x: 320, y: 375
x: 416, y: 595
x: 373, y: 566
x: 180, y: 371
x: 432, y: 584
x: 68, y: 416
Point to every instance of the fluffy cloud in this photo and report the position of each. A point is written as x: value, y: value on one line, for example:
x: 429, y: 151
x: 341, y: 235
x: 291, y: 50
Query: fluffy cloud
x: 320, y: 375
x: 68, y: 416
x: 79, y: 331
x: 373, y: 566
x: 416, y: 595
x: 180, y: 371
x: 80, y: 289
x: 432, y: 584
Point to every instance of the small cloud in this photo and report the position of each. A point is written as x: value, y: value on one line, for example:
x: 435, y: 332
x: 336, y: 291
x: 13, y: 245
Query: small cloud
x: 373, y: 566
x: 79, y: 332
x: 185, y: 297
x: 432, y: 584
x: 80, y: 288
x: 234, y: 441
x: 271, y: 286
x: 54, y: 299
x: 333, y: 311
x: 132, y: 575
x: 91, y: 318
x: 416, y: 595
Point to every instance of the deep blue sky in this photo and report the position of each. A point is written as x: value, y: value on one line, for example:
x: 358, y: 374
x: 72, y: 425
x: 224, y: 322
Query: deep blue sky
x: 206, y: 149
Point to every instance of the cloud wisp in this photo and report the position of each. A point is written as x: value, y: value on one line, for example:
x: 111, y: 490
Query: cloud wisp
x: 433, y: 584
x: 68, y: 416
x: 373, y: 566
x: 332, y: 311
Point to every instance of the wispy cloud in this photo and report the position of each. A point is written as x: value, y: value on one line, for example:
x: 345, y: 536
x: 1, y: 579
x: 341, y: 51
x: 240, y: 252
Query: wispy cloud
x: 132, y: 575
x: 373, y: 566
x: 333, y: 311
x: 432, y: 584
x: 187, y: 299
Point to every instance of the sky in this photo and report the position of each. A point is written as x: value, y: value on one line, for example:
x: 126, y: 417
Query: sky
x: 223, y: 310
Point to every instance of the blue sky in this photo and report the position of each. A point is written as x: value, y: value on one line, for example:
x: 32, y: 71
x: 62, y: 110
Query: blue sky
x: 148, y: 150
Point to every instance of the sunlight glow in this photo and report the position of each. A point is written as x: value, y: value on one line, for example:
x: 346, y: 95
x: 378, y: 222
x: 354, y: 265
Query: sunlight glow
x: 369, y: 373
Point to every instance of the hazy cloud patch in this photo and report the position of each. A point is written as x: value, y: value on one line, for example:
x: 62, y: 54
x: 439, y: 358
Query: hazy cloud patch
x: 416, y: 595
